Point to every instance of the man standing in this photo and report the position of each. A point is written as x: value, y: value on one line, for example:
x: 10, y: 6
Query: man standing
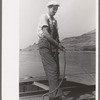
x: 48, y: 47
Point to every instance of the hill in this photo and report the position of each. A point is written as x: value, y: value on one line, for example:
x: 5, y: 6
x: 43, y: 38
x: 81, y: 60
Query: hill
x: 84, y: 42
x: 30, y: 48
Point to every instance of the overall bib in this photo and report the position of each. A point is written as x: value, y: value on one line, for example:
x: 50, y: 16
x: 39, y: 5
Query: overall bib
x: 50, y: 60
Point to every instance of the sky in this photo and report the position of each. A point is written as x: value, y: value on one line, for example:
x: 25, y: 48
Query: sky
x: 75, y: 17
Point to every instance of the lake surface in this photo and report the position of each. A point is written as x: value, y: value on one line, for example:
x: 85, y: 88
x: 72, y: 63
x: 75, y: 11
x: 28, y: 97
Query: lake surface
x: 80, y: 65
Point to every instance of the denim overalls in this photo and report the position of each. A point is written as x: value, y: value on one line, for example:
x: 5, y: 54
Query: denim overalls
x: 50, y: 59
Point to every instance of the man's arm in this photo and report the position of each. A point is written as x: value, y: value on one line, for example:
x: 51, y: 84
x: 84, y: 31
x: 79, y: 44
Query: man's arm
x: 50, y: 39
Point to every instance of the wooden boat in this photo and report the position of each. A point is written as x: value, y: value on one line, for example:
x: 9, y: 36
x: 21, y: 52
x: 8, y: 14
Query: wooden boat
x: 34, y: 88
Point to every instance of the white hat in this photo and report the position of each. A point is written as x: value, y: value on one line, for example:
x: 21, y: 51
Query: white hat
x: 55, y: 3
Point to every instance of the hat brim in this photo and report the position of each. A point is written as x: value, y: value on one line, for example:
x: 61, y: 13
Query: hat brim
x: 53, y: 5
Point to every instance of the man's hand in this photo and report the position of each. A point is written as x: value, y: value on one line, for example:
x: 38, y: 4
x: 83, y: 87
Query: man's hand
x: 61, y: 47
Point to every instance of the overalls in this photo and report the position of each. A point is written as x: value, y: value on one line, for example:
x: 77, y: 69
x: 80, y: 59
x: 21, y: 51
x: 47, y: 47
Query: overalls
x: 50, y: 60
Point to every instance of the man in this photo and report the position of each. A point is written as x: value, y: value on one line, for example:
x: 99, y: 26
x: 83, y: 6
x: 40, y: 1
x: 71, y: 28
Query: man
x: 48, y: 47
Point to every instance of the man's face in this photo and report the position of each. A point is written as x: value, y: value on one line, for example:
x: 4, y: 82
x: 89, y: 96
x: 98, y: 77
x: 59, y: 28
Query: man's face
x: 53, y: 10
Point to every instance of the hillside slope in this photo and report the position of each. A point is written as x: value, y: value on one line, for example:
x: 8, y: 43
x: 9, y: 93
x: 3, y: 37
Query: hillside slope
x: 83, y: 42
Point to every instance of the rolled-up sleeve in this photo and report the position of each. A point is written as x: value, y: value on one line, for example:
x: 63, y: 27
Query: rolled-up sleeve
x: 43, y: 22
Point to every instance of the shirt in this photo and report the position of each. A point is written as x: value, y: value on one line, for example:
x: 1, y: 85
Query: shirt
x: 45, y: 20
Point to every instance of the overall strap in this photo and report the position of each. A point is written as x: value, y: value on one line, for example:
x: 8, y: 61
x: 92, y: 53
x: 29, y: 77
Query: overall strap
x: 52, y: 29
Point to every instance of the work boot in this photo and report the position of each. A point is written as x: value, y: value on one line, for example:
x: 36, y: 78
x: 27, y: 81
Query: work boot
x: 59, y: 98
x: 62, y: 98
x: 56, y: 98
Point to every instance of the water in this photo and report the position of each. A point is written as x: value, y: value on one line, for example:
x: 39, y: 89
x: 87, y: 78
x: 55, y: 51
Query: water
x: 79, y: 64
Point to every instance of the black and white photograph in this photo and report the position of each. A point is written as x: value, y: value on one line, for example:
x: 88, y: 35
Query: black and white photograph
x: 57, y: 50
